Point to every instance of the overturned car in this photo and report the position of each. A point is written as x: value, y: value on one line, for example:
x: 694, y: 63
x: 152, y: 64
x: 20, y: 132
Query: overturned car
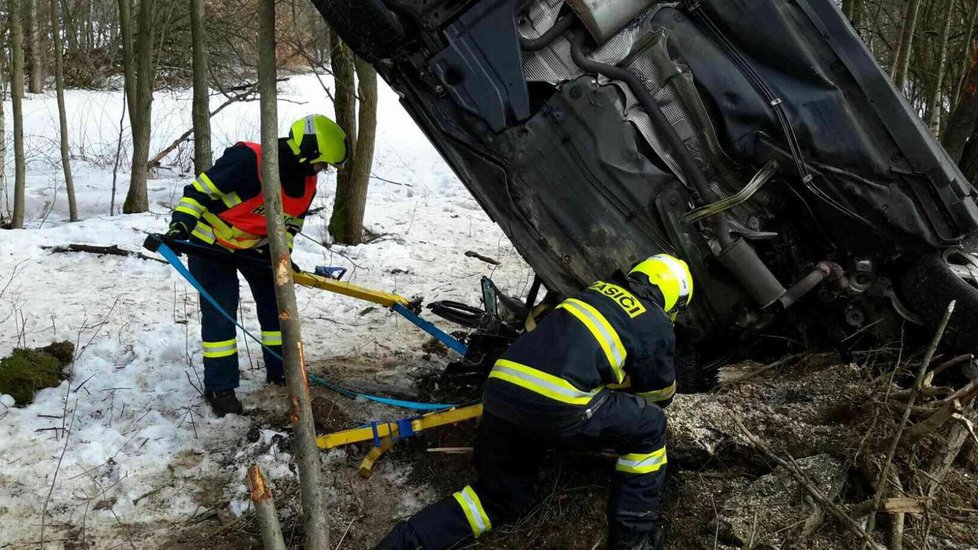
x: 757, y: 139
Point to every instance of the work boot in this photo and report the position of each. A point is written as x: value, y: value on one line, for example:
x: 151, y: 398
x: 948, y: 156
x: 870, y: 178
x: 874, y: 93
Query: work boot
x: 223, y: 402
x: 276, y: 380
x: 653, y: 540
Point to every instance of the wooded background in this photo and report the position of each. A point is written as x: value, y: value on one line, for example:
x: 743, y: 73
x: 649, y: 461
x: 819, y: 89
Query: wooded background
x: 929, y: 47
x: 152, y: 46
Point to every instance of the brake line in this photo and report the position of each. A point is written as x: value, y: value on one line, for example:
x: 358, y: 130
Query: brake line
x: 697, y: 11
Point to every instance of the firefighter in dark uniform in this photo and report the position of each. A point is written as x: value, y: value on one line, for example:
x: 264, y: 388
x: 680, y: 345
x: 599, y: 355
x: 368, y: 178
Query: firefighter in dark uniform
x: 224, y: 208
x: 550, y: 390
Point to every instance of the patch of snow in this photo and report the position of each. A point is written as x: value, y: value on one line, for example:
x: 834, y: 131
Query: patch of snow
x: 127, y: 438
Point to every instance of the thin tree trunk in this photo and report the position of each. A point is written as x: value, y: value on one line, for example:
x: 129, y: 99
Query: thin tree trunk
x: 964, y: 118
x: 32, y: 49
x: 201, y: 107
x: 261, y: 497
x: 962, y: 72
x: 4, y: 208
x: 69, y: 26
x: 137, y: 199
x: 905, y: 45
x: 128, y: 63
x: 345, y: 110
x: 935, y: 103
x: 346, y: 223
x: 307, y: 453
x: 59, y: 85
x: 17, y: 101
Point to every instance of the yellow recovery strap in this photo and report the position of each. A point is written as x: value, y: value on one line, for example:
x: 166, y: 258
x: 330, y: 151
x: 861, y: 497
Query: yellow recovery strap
x: 388, y: 429
x: 387, y: 432
x: 349, y: 289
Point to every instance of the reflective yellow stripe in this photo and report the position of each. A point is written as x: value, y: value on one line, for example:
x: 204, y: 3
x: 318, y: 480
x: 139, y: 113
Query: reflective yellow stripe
x: 541, y: 382
x: 602, y: 331
x: 221, y: 349
x: 290, y: 240
x: 231, y: 199
x: 229, y: 234
x: 203, y: 232
x: 642, y: 463
x: 271, y: 337
x: 659, y: 395
x: 472, y: 507
x: 190, y: 206
x: 206, y: 186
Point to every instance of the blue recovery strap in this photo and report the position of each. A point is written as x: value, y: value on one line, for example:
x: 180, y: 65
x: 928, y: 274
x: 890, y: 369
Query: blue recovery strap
x: 431, y: 329
x: 171, y: 257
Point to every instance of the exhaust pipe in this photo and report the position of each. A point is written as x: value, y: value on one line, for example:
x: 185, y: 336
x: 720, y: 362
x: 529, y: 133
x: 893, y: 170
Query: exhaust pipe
x: 823, y: 271
x: 603, y: 18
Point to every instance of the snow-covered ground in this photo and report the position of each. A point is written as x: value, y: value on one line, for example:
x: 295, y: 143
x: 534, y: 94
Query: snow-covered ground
x: 138, y: 439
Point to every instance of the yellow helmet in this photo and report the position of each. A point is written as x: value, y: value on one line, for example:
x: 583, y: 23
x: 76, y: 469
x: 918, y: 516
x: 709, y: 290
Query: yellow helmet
x: 316, y: 138
x: 673, y: 278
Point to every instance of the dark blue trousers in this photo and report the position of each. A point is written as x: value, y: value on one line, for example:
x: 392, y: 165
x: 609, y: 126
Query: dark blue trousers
x: 508, y: 454
x: 219, y: 335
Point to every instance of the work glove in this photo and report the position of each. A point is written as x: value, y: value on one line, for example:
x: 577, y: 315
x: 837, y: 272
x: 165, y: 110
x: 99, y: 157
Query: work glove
x: 178, y: 232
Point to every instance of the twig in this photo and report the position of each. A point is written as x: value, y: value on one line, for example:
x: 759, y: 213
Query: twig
x: 918, y: 385
x: 833, y: 509
x: 348, y: 525
x: 450, y: 450
x: 385, y: 180
x: 54, y: 478
x: 476, y: 255
x: 946, y: 365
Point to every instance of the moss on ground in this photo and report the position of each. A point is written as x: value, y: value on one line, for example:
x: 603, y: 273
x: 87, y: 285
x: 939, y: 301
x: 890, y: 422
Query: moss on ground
x: 28, y: 371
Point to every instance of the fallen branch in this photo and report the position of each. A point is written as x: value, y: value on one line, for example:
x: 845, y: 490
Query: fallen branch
x: 892, y: 505
x: 476, y: 255
x: 830, y: 507
x: 918, y: 385
x: 931, y: 424
x: 942, y: 462
x: 113, y: 250
x: 261, y: 497
x: 946, y: 365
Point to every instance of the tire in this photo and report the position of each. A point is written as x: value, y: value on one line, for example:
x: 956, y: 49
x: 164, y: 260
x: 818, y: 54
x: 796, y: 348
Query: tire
x: 370, y: 29
x: 936, y: 279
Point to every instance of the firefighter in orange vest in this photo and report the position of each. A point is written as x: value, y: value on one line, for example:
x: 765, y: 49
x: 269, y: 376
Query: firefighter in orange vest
x: 224, y: 208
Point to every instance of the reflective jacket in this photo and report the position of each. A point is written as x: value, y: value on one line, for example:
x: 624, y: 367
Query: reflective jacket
x: 225, y: 205
x: 592, y: 340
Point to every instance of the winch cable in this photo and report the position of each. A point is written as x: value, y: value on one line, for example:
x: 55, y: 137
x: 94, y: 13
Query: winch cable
x: 174, y: 261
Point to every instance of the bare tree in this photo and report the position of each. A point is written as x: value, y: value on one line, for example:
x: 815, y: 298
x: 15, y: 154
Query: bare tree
x: 128, y: 63
x: 962, y: 66
x: 3, y: 139
x: 137, y: 199
x: 17, y: 100
x: 300, y: 402
x: 59, y: 85
x: 32, y: 46
x: 901, y: 56
x: 346, y: 222
x: 201, y: 107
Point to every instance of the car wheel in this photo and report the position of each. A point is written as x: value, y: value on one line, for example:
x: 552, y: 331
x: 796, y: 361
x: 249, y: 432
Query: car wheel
x: 370, y: 29
x: 938, y: 278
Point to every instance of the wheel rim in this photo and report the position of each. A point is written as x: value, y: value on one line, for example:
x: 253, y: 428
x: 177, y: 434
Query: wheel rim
x: 964, y: 265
